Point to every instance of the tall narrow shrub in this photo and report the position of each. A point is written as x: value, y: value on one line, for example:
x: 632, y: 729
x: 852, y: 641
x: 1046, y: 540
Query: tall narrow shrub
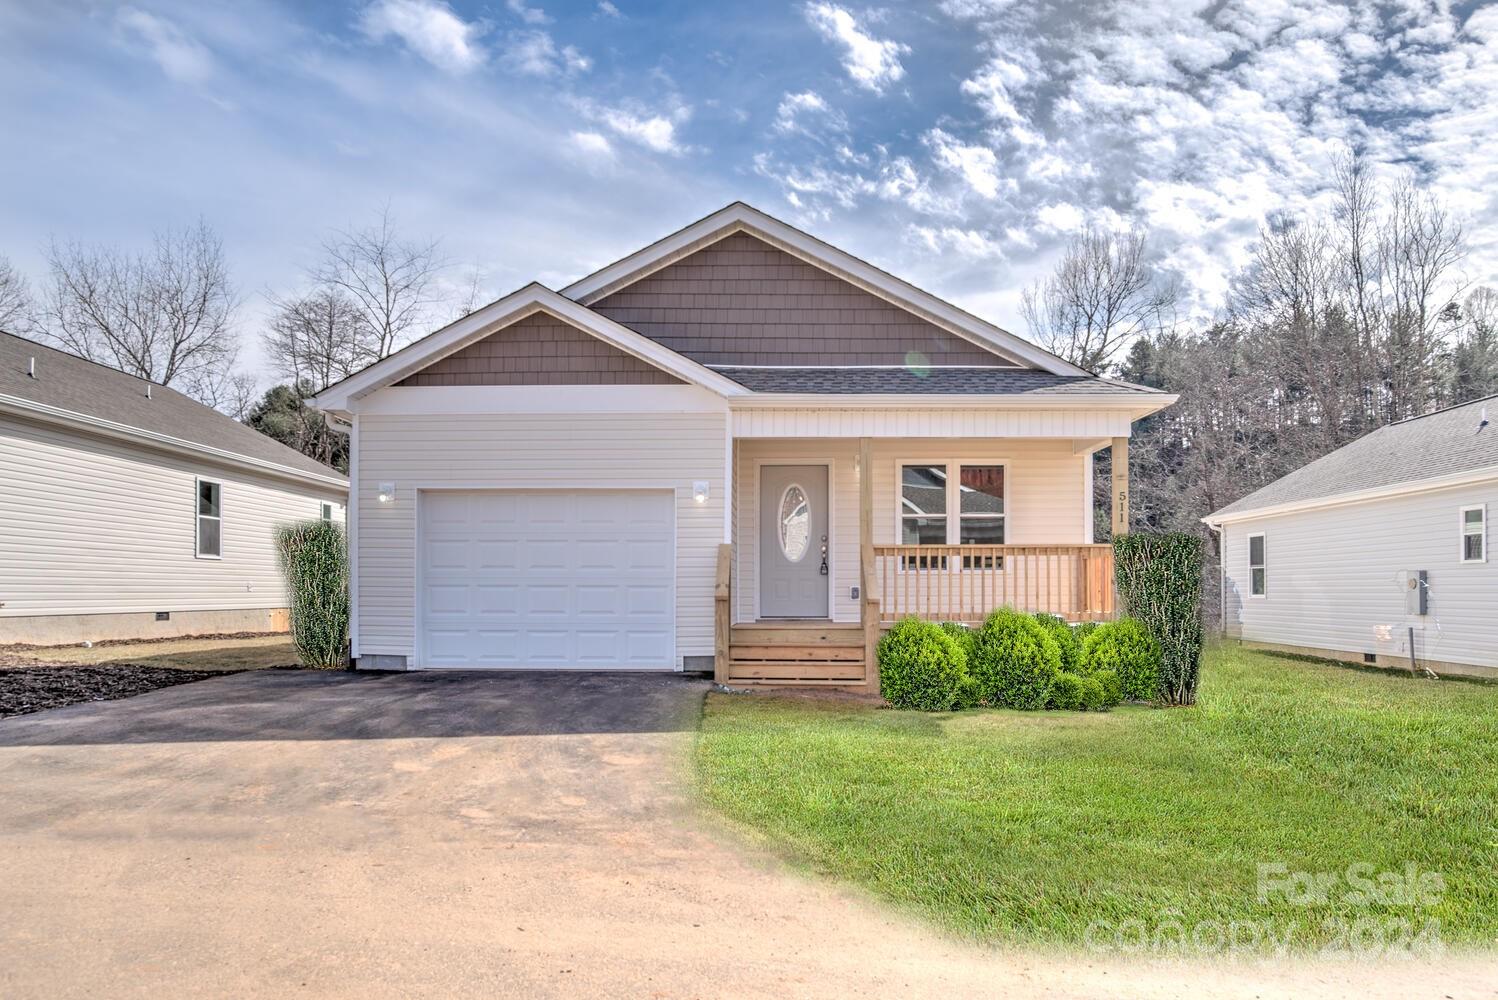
x: 1159, y: 579
x: 314, y: 559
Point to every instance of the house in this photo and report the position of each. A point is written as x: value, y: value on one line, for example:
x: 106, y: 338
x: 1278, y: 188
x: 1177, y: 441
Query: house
x: 132, y: 511
x: 1377, y: 553
x: 737, y: 449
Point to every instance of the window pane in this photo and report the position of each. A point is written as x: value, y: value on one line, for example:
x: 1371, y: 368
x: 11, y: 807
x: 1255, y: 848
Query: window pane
x: 981, y: 488
x: 923, y: 531
x: 327, y: 512
x: 1256, y: 550
x: 981, y: 530
x: 1256, y: 581
x: 923, y: 489
x: 795, y: 523
x: 1472, y: 516
x: 208, y: 499
x: 1472, y: 547
x: 208, y: 530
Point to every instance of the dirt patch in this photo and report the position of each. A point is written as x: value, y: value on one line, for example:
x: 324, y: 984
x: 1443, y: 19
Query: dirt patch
x: 29, y: 689
x: 25, y: 647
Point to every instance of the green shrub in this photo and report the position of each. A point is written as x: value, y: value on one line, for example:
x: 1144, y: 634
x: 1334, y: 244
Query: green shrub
x: 1159, y: 579
x: 1127, y: 649
x: 1090, y: 696
x: 314, y: 559
x: 1083, y: 630
x: 921, y: 666
x: 969, y: 694
x: 1112, y: 686
x: 963, y: 635
x: 1066, y: 640
x: 1015, y: 660
x: 1066, y: 693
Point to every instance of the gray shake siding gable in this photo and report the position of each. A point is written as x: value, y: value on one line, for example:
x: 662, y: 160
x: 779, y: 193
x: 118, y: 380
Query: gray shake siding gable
x: 741, y: 301
x: 540, y: 350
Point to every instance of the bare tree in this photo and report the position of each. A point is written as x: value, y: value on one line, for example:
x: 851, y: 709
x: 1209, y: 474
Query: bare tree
x: 166, y: 315
x: 17, y: 310
x: 391, y: 280
x: 316, y: 339
x: 1102, y: 295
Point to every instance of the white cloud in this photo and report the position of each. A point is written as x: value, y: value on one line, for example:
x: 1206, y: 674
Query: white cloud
x: 535, y: 53
x: 593, y: 144
x: 808, y: 114
x: 429, y: 28
x: 991, y: 87
x: 977, y: 165
x: 655, y: 130
x: 872, y: 62
x: 1062, y: 217
x: 180, y: 56
x: 607, y: 9
x: 530, y: 15
x: 969, y: 243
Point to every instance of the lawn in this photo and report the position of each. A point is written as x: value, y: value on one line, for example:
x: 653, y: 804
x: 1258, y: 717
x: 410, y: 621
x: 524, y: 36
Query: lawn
x: 1117, y: 828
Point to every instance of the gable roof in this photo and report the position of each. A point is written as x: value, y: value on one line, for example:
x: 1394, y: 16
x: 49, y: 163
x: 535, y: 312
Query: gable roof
x: 72, y: 390
x: 499, y: 314
x: 739, y: 217
x: 1442, y: 448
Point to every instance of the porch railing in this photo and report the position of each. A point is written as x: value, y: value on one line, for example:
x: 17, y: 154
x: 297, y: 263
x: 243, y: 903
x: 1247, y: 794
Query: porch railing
x: 963, y: 583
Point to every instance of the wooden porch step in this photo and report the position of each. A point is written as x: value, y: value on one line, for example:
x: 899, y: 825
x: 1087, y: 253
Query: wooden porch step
x: 795, y: 672
x: 782, y: 653
x: 799, y: 634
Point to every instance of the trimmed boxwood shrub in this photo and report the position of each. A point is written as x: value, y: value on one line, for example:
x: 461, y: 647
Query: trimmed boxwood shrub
x: 1015, y: 660
x: 1090, y: 695
x: 1112, y: 687
x: 921, y: 666
x: 1127, y: 649
x: 1159, y: 579
x: 1066, y: 693
x: 1066, y: 640
x: 314, y: 560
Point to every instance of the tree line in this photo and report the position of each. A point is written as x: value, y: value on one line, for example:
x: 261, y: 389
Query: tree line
x: 172, y: 314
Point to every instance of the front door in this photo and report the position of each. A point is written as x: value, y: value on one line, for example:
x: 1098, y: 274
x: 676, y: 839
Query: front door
x: 793, y: 541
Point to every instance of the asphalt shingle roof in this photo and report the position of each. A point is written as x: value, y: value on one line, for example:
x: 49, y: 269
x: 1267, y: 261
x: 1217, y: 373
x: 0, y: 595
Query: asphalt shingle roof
x: 954, y: 381
x: 1439, y: 444
x: 71, y: 383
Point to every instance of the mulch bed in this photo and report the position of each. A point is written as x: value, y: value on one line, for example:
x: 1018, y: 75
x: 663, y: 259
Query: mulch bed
x: 34, y: 689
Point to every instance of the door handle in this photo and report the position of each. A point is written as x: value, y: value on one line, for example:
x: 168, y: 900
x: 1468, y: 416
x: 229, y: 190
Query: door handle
x: 824, y: 555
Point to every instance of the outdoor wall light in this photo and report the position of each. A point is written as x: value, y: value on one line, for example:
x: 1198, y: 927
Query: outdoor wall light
x: 699, y: 491
x: 387, y: 493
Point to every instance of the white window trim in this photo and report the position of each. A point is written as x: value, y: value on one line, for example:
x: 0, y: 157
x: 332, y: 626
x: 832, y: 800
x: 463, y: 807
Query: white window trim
x: 1482, y: 532
x: 325, y: 511
x: 953, y: 515
x: 1248, y: 556
x: 197, y: 518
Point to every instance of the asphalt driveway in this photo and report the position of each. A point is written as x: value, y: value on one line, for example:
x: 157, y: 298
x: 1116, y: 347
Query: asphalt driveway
x: 294, y: 833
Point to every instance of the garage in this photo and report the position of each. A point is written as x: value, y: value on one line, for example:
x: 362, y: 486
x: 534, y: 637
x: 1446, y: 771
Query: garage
x: 554, y: 579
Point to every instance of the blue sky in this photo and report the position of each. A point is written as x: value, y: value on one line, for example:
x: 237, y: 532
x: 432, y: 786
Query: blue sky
x: 956, y: 143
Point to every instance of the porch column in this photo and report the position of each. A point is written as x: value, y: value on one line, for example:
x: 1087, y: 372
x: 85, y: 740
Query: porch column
x: 868, y: 604
x: 865, y: 503
x: 1120, y: 486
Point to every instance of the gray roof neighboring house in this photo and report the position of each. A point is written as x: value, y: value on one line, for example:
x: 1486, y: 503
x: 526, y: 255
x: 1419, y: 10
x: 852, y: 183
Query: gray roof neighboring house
x: 895, y: 380
x: 64, y: 384
x: 1443, y: 444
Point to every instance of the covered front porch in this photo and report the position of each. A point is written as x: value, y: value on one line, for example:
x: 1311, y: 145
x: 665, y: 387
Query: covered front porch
x: 834, y: 539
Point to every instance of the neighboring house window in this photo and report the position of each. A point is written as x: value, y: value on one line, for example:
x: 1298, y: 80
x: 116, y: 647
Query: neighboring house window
x: 210, y: 519
x: 951, y: 503
x: 327, y: 512
x: 1258, y: 579
x: 1475, y: 534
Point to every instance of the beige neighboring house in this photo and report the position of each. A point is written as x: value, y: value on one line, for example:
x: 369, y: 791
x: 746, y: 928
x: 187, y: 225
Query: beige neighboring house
x: 132, y: 511
x: 1377, y: 553
x: 738, y: 449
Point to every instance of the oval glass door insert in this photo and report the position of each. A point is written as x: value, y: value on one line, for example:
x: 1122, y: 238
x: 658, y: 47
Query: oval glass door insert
x: 795, y: 523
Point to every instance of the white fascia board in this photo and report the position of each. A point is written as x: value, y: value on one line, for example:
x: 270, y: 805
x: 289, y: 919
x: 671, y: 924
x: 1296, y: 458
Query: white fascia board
x: 1452, y: 481
x: 166, y: 442
x: 499, y: 314
x: 740, y: 217
x: 1141, y: 406
x: 559, y: 399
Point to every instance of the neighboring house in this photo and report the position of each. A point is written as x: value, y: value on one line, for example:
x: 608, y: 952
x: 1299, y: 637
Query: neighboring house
x: 133, y: 511
x: 738, y: 448
x: 1376, y: 553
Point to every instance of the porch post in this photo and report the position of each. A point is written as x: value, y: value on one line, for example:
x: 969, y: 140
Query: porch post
x: 868, y: 604
x: 1120, y: 486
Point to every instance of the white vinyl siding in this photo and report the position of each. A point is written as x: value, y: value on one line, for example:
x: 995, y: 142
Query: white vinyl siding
x: 1340, y: 579
x: 541, y: 451
x: 94, y: 526
x: 1047, y: 499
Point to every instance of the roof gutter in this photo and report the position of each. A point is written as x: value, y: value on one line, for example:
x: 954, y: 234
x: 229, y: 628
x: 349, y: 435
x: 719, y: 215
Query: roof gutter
x: 136, y: 435
x: 1489, y: 472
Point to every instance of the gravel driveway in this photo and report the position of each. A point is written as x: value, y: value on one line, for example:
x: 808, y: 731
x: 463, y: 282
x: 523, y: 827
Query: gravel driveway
x: 322, y: 835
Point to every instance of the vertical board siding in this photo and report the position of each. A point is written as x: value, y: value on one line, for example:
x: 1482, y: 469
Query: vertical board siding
x: 1337, y: 579
x: 539, y: 451
x: 93, y: 526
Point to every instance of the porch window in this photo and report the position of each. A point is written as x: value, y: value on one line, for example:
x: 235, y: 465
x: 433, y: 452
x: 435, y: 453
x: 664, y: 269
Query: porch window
x: 951, y: 503
x: 923, y: 505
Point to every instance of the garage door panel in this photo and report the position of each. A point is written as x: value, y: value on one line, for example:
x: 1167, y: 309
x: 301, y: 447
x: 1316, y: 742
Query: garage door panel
x: 548, y: 579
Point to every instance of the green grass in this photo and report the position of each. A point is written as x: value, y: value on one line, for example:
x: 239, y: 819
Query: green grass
x: 1032, y: 827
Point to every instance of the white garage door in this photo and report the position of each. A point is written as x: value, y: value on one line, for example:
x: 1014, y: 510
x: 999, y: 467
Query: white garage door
x: 580, y: 579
